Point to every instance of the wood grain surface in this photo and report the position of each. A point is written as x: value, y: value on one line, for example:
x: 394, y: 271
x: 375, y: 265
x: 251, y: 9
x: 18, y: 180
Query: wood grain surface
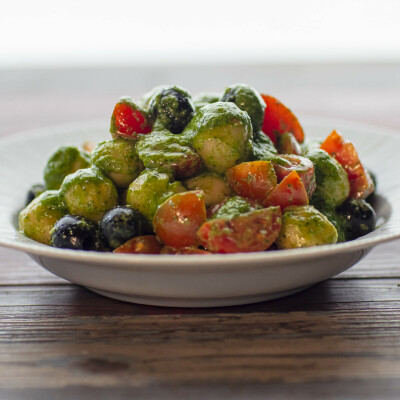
x: 338, y: 340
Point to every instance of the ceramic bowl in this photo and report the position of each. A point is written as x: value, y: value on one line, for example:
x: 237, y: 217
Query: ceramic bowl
x: 195, y: 280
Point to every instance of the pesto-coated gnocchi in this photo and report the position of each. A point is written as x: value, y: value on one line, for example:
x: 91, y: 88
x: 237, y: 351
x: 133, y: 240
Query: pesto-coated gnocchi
x: 229, y: 171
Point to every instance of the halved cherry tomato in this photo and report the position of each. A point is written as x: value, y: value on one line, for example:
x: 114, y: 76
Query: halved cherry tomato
x: 253, y: 231
x: 128, y: 120
x: 361, y: 184
x: 147, y: 244
x: 253, y: 180
x: 286, y: 163
x: 177, y: 220
x: 287, y: 144
x: 278, y: 119
x: 289, y: 192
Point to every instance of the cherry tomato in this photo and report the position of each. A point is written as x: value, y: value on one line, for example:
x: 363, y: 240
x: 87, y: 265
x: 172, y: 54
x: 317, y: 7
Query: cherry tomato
x: 147, y: 244
x: 253, y: 231
x: 286, y: 163
x: 128, y: 120
x: 361, y: 183
x: 278, y: 119
x: 287, y: 144
x: 177, y: 220
x: 289, y: 192
x: 183, y: 250
x: 253, y: 180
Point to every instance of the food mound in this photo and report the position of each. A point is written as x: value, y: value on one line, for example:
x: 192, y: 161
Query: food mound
x: 220, y: 173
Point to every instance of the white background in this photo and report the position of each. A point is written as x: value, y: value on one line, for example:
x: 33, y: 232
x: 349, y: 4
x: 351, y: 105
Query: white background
x: 106, y: 33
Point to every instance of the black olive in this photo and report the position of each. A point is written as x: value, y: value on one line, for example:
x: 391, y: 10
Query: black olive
x: 360, y: 218
x: 74, y: 232
x: 35, y: 190
x: 122, y: 223
x: 172, y: 108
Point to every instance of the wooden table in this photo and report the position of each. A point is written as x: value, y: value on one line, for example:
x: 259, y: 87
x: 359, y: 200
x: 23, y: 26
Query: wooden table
x: 337, y: 340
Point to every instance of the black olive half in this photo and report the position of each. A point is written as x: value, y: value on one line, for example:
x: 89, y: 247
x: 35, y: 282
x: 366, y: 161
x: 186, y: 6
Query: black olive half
x: 35, y: 190
x: 360, y: 218
x: 172, y: 108
x: 122, y: 223
x: 74, y: 232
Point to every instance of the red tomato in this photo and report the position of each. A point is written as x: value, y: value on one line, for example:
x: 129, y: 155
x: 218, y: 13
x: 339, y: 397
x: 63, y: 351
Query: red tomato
x: 183, y: 250
x: 128, y: 120
x: 361, y: 184
x: 253, y: 180
x: 254, y: 231
x: 286, y: 163
x: 177, y: 219
x: 147, y: 244
x: 278, y: 119
x: 289, y: 192
x: 168, y: 250
x: 193, y: 250
x: 287, y: 144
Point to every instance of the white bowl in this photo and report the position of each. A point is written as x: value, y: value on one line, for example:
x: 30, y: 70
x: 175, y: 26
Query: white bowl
x: 193, y: 280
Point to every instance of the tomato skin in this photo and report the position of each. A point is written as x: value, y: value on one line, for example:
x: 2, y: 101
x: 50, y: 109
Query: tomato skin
x: 147, y: 244
x: 128, y: 120
x: 253, y: 180
x: 361, y: 183
x: 287, y: 144
x: 177, y: 220
x: 289, y: 192
x: 279, y: 119
x: 254, y: 231
x: 286, y: 163
x: 183, y: 250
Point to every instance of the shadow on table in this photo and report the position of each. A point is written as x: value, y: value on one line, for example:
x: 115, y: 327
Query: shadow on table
x: 328, y: 295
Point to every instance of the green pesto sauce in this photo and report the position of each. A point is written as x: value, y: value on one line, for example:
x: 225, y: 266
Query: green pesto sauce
x: 249, y: 100
x: 233, y: 207
x: 150, y: 189
x: 263, y: 148
x: 222, y: 135
x: 332, y: 182
x: 118, y: 157
x: 89, y: 193
x: 162, y: 150
x: 204, y: 98
x: 305, y: 226
x: 216, y: 115
x: 37, y: 219
x: 167, y: 111
x: 64, y: 161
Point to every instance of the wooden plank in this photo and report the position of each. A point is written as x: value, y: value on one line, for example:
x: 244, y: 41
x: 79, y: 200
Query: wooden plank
x: 331, y: 333
x: 333, y: 293
x: 18, y: 268
x: 383, y: 389
x: 383, y: 261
